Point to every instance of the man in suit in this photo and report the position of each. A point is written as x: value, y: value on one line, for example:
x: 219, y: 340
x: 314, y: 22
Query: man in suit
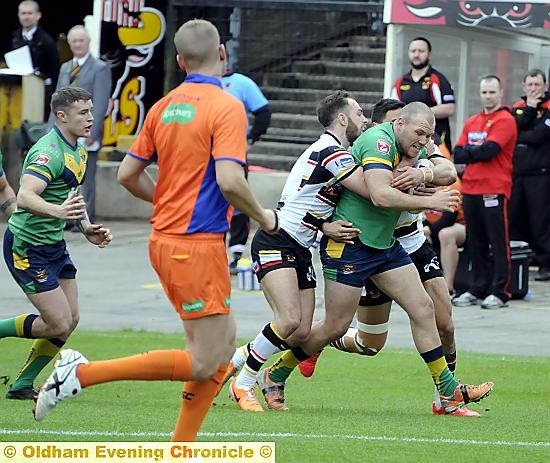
x: 94, y: 75
x: 43, y: 49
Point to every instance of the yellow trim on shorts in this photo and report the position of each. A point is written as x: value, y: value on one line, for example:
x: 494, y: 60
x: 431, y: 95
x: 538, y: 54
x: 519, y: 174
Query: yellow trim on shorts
x: 334, y: 249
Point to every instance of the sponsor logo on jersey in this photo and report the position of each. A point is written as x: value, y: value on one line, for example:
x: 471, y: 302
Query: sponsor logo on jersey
x: 42, y: 159
x: 405, y: 87
x: 382, y: 146
x: 182, y: 113
x: 477, y: 138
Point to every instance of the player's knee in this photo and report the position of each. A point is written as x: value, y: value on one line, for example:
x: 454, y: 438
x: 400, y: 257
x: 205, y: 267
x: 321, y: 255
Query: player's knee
x: 204, y: 370
x: 371, y: 339
x: 288, y: 324
x: 446, y: 237
x: 300, y: 335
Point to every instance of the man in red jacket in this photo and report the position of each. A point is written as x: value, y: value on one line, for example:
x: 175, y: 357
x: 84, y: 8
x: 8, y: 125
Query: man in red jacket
x: 486, y: 145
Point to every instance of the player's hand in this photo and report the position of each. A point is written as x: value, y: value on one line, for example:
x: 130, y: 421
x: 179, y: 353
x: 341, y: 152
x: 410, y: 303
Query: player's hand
x: 340, y: 231
x: 73, y: 208
x: 407, y: 177
x: 445, y: 200
x: 98, y: 235
x: 270, y: 221
x: 426, y: 190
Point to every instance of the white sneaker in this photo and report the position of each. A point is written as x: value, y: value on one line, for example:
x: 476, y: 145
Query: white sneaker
x: 465, y: 299
x: 61, y: 384
x: 492, y: 302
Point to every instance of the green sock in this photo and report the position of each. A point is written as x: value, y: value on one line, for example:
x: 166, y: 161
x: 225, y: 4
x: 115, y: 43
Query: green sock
x: 17, y: 327
x: 282, y: 368
x: 442, y: 376
x: 42, y: 352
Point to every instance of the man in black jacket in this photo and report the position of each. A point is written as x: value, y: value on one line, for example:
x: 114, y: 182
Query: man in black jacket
x: 43, y: 49
x: 530, y: 202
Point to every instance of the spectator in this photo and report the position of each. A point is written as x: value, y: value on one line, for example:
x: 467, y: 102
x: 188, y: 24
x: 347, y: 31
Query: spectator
x: 91, y: 74
x: 530, y: 202
x: 425, y: 84
x: 255, y: 103
x: 486, y: 145
x: 42, y: 47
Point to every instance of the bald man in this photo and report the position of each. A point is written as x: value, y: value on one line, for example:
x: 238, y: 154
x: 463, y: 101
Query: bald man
x: 198, y: 134
x: 377, y: 255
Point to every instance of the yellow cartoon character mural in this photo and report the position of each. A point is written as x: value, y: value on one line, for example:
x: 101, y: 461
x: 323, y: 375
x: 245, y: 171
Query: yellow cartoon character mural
x: 130, y: 33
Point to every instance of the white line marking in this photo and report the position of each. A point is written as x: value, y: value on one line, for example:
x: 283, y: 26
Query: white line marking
x: 281, y: 435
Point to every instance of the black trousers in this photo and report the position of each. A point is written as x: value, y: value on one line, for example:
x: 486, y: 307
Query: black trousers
x: 530, y: 214
x: 488, y: 244
x: 238, y: 232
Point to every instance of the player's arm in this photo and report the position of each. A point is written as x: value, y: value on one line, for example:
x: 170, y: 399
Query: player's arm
x: 444, y: 110
x: 28, y: 198
x: 539, y: 135
x: 384, y: 195
x: 232, y: 182
x: 133, y: 176
x: 8, y: 202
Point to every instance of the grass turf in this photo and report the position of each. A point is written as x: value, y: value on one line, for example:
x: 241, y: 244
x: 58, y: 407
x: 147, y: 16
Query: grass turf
x: 354, y: 409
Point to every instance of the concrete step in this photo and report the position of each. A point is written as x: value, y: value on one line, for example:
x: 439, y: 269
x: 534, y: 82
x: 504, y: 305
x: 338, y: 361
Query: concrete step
x: 295, y: 121
x: 312, y: 94
x: 280, y: 162
x: 339, y: 68
x: 356, y: 54
x: 374, y: 41
x: 278, y: 149
x: 291, y: 135
x: 302, y: 106
x: 299, y: 80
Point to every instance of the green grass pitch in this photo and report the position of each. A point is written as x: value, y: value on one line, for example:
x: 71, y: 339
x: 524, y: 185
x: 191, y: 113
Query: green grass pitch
x: 354, y: 409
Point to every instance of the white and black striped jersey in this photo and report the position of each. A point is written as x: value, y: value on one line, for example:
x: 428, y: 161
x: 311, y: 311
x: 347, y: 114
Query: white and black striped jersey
x: 313, y: 188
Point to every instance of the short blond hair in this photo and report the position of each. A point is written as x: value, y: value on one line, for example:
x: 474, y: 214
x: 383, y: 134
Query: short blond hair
x: 197, y: 41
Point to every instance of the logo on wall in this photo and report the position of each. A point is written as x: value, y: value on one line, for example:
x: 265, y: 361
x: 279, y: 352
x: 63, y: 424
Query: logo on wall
x: 518, y: 15
x: 130, y: 34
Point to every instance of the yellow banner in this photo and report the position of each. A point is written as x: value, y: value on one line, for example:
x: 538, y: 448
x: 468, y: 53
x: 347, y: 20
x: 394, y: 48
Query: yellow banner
x: 133, y: 452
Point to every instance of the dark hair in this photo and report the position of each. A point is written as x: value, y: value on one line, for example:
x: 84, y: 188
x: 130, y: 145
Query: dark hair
x: 382, y: 107
x: 331, y: 105
x: 424, y: 39
x: 66, y: 96
x: 534, y: 73
x: 492, y: 77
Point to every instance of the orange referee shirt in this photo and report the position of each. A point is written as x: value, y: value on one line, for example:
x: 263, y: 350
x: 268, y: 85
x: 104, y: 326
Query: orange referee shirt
x: 186, y: 132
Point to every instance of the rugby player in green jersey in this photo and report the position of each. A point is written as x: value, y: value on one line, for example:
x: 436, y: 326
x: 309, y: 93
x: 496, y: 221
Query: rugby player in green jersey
x: 378, y: 255
x: 34, y: 249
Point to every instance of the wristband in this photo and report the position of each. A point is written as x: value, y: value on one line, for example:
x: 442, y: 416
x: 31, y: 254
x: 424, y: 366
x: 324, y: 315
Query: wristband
x: 426, y: 170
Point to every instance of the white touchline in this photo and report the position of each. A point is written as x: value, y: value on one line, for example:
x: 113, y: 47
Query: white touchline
x: 265, y: 435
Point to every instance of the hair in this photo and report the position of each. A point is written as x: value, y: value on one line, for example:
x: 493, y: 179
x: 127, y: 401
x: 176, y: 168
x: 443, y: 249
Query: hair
x: 66, y: 96
x: 491, y: 77
x: 78, y: 27
x: 424, y: 39
x: 329, y: 107
x: 30, y: 2
x: 416, y: 110
x: 382, y: 107
x: 197, y: 41
x: 534, y: 73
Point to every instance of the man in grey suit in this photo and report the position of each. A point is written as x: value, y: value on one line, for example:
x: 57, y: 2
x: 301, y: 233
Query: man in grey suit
x: 93, y: 75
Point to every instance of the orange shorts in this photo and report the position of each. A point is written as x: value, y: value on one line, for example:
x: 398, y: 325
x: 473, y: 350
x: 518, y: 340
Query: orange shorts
x: 193, y: 271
